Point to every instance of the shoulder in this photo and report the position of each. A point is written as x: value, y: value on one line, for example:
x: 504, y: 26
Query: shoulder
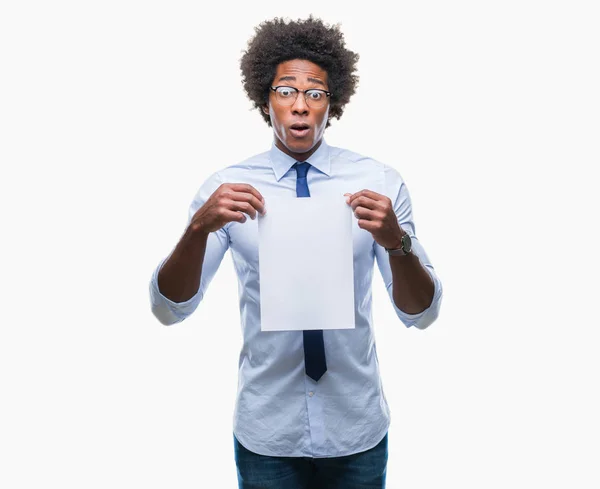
x: 239, y: 171
x: 236, y: 172
x: 361, y: 162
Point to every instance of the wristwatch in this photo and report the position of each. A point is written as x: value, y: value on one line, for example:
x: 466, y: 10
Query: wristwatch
x: 405, y: 247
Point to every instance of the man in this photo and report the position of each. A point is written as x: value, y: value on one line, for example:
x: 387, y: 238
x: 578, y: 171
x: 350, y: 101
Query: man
x: 310, y: 409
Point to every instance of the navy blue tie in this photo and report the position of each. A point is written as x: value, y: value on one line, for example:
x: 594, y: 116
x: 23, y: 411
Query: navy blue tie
x: 314, y: 348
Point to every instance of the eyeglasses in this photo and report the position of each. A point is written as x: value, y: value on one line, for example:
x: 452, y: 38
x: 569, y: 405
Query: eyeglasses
x: 315, y: 97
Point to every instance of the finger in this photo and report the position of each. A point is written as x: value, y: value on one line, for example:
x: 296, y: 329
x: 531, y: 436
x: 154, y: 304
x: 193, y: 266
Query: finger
x: 365, y: 202
x: 367, y: 214
x: 367, y: 193
x: 231, y: 216
x: 244, y: 187
x: 251, y: 199
x: 371, y: 226
x: 246, y: 207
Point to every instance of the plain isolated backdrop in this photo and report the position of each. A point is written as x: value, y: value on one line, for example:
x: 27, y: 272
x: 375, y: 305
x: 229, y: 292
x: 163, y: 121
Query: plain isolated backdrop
x: 113, y: 113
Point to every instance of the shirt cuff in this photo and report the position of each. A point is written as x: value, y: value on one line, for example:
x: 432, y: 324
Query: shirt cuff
x: 424, y: 318
x: 164, y: 309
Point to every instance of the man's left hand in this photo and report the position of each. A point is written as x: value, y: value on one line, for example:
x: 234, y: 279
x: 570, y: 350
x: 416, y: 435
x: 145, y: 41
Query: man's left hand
x: 375, y: 213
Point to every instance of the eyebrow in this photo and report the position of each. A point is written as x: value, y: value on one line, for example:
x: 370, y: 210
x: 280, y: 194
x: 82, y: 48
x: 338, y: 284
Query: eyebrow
x: 293, y: 78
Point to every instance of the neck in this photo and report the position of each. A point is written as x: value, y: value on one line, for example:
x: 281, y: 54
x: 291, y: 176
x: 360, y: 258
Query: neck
x: 297, y: 156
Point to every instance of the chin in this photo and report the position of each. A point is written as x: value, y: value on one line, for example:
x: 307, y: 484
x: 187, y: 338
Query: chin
x: 299, y: 146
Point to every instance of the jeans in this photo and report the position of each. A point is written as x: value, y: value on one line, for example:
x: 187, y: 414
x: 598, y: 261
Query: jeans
x: 364, y: 470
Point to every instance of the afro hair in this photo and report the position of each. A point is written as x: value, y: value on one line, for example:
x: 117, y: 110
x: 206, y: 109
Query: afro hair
x: 277, y: 41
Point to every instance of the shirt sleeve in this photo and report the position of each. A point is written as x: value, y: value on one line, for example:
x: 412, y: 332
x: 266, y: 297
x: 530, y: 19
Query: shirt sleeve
x: 164, y: 309
x: 396, y: 189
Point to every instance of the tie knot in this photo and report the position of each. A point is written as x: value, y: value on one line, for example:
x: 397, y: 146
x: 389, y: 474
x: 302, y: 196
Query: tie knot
x: 302, y: 169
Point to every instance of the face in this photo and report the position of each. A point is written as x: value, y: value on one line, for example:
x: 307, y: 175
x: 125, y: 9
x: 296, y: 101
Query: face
x: 298, y: 128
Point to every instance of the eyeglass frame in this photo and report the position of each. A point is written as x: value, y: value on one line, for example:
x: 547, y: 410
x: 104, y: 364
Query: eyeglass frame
x: 298, y: 91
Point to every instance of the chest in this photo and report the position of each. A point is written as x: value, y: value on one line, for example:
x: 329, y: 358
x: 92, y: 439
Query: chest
x: 244, y: 237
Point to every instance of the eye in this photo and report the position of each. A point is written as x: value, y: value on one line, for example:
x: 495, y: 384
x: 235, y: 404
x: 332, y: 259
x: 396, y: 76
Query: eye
x: 285, y: 92
x: 315, y: 94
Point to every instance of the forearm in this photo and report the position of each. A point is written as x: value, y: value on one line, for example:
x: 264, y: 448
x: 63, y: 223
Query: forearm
x: 412, y: 287
x: 179, y: 277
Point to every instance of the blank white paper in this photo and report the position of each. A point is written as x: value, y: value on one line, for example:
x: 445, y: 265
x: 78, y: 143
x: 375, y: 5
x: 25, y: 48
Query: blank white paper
x: 306, y: 264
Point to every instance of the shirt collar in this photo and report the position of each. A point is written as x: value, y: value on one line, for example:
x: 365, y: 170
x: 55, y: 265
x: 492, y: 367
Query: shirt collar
x: 282, y: 162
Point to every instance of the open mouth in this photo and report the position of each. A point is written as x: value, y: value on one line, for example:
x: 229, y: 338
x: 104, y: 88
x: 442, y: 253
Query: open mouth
x: 299, y: 129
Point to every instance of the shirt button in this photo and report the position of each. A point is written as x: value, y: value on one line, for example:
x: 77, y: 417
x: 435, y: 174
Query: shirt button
x: 311, y: 393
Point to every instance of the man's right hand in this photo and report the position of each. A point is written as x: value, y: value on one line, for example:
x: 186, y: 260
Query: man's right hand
x: 230, y: 202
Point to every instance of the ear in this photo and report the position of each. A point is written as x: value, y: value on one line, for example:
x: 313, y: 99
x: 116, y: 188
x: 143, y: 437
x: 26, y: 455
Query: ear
x: 265, y: 109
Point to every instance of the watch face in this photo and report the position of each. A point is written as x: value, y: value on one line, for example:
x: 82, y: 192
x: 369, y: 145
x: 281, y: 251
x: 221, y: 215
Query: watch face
x: 406, y: 243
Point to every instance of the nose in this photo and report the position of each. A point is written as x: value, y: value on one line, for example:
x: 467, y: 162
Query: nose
x: 300, y: 106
